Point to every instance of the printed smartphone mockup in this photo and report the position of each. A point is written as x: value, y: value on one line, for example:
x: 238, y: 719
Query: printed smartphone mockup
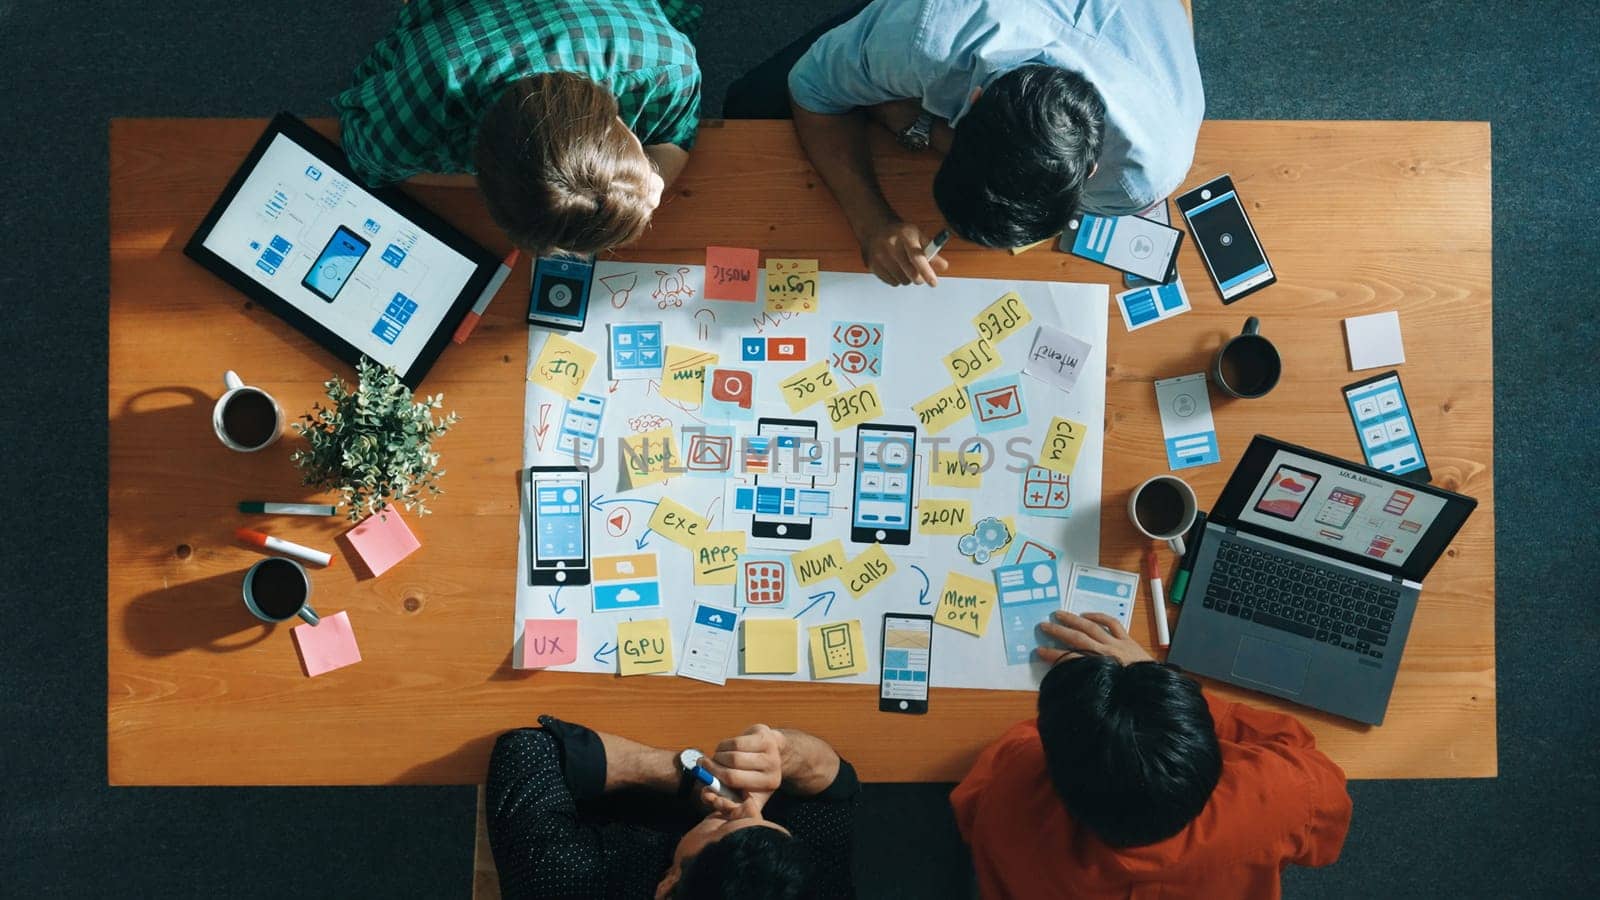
x: 560, y: 297
x: 1130, y: 244
x: 335, y: 263
x: 907, y: 658
x: 1383, y: 423
x: 1227, y: 241
x: 558, y: 525
x: 886, y: 462
x: 1286, y: 494
x: 775, y: 450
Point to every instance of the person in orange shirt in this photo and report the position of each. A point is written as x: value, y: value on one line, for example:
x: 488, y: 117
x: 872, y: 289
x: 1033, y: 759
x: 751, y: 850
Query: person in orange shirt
x: 1134, y: 783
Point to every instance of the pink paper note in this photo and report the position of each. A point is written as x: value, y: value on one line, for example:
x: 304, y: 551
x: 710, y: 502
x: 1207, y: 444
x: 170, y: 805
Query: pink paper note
x: 732, y: 273
x: 549, y: 642
x: 327, y: 645
x: 381, y: 540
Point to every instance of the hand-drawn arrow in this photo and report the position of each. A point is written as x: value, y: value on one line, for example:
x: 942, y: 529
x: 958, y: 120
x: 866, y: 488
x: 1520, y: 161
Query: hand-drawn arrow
x: 544, y: 425
x: 613, y: 388
x: 601, y: 502
x: 818, y: 598
x: 643, y: 539
x: 922, y: 593
x: 554, y: 606
x: 603, y: 651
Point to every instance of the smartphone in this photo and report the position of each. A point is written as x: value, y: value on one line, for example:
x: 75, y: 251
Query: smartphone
x: 335, y: 263
x: 1227, y: 241
x: 560, y: 295
x: 778, y: 444
x: 1129, y: 244
x: 907, y: 658
x: 1383, y: 423
x: 1339, y: 508
x: 886, y: 463
x: 558, y: 525
x: 1156, y: 213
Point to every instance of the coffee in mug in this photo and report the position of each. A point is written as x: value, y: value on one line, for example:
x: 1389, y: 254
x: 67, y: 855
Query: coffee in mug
x: 1164, y: 508
x: 246, y: 418
x: 276, y: 589
x: 1248, y: 365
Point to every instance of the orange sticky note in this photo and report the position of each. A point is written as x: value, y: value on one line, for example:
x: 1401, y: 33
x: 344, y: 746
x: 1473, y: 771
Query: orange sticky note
x: 327, y: 645
x: 549, y: 642
x: 731, y: 273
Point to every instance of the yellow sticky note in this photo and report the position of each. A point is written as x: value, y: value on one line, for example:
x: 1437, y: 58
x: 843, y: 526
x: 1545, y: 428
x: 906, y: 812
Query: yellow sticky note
x: 678, y: 523
x: 644, y: 648
x: 871, y: 568
x: 940, y: 410
x: 935, y: 516
x: 683, y: 374
x: 965, y: 603
x: 562, y: 366
x: 851, y: 408
x: 819, y: 562
x: 1000, y: 319
x: 647, y: 456
x: 716, y: 556
x: 808, y: 385
x: 771, y: 646
x: 1062, y: 442
x: 837, y: 649
x: 972, y: 360
x: 954, y: 470
x: 792, y: 285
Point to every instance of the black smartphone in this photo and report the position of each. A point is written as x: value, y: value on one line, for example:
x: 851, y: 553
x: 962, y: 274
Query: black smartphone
x: 1388, y: 436
x: 775, y: 451
x: 335, y: 263
x: 560, y: 295
x: 907, y: 660
x: 558, y: 525
x: 1227, y: 241
x: 1131, y: 244
x: 886, y: 463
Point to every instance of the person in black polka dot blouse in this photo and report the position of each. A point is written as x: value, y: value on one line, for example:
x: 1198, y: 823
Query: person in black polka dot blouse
x: 574, y: 812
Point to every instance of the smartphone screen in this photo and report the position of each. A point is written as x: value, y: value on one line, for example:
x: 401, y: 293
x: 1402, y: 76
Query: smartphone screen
x: 1286, y: 494
x: 560, y: 297
x: 1339, y: 508
x: 779, y: 450
x: 1383, y: 423
x: 1227, y: 242
x: 886, y: 462
x: 558, y: 525
x: 335, y: 263
x: 1129, y: 243
x: 907, y: 657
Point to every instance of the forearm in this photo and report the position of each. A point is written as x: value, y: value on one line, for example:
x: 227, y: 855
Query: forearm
x: 630, y: 764
x: 669, y: 160
x: 838, y: 149
x: 809, y: 764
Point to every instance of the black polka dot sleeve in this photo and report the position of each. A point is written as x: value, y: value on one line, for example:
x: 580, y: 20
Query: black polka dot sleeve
x: 825, y: 823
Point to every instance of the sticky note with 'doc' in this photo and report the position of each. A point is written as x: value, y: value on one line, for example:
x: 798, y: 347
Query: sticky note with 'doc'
x: 771, y: 646
x: 731, y: 273
x: 382, y: 540
x: 965, y: 604
x: 327, y: 645
x: 837, y: 649
x: 549, y: 642
x: 563, y: 366
x: 644, y: 648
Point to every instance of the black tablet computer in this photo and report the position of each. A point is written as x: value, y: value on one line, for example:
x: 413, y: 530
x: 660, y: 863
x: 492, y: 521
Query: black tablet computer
x: 362, y: 271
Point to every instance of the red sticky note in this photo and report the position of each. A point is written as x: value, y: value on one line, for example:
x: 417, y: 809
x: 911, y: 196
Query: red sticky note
x: 549, y: 642
x: 731, y: 273
x: 787, y: 349
x: 327, y: 645
x: 381, y: 540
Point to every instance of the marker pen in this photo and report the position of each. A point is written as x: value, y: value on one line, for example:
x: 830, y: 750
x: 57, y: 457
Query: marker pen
x: 710, y: 781
x: 286, y: 509
x: 464, y: 330
x: 287, y: 548
x: 1158, y: 600
x: 937, y: 244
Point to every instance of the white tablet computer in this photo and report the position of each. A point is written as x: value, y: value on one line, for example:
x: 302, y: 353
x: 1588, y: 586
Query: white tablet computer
x: 362, y: 271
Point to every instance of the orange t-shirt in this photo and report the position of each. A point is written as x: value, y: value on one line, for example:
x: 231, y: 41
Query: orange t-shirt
x: 1279, y: 801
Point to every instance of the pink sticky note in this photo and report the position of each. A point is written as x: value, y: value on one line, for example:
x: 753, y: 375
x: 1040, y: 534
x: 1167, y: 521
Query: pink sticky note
x: 732, y: 273
x: 327, y: 645
x: 382, y: 540
x: 549, y: 642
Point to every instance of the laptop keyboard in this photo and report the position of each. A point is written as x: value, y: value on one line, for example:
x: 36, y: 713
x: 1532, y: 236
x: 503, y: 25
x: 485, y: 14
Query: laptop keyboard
x: 1345, y: 611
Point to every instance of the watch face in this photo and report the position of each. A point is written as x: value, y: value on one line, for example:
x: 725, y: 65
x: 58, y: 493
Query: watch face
x: 690, y: 758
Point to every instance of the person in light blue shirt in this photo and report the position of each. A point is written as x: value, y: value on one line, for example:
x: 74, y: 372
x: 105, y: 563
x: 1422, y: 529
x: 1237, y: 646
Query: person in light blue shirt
x: 1041, y: 108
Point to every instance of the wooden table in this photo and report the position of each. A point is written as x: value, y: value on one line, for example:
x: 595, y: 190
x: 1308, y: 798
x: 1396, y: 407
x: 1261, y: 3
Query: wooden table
x: 1359, y: 217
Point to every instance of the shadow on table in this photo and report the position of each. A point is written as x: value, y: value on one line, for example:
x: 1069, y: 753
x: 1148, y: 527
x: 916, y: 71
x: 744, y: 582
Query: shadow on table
x: 473, y: 756
x: 208, y: 614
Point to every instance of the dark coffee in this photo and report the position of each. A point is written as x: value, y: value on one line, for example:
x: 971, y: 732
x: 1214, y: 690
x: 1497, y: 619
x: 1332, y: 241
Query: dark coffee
x: 249, y: 419
x: 1250, y: 365
x: 278, y: 588
x: 1159, y: 507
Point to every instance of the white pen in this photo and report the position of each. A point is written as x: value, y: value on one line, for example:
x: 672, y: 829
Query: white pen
x: 937, y: 244
x: 1158, y: 597
x: 287, y: 548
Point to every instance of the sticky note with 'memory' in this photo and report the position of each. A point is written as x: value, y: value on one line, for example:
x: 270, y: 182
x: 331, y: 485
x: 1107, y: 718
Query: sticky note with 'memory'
x: 382, y: 540
x: 771, y: 646
x: 327, y: 645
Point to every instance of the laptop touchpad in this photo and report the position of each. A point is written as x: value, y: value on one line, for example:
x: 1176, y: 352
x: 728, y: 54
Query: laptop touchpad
x: 1270, y: 663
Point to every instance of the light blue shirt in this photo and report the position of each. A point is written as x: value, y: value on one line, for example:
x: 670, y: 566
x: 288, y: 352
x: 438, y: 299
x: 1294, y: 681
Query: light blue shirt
x: 1139, y: 55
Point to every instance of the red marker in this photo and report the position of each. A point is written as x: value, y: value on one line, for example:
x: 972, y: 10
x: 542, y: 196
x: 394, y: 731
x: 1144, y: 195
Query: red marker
x: 464, y: 330
x: 1158, y: 600
x: 287, y: 548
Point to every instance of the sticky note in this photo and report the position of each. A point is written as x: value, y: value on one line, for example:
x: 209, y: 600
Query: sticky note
x: 955, y: 470
x: 562, y: 366
x: 730, y: 395
x: 819, y: 562
x: 549, y: 642
x: 857, y: 349
x: 327, y: 645
x: 1056, y: 357
x: 972, y: 360
x: 1002, y: 318
x: 940, y: 410
x: 998, y: 403
x: 1029, y: 549
x: 382, y: 540
x: 678, y: 523
x: 1374, y: 341
x: 644, y: 648
x: 851, y: 408
x: 762, y: 581
x: 716, y: 557
x: 683, y: 375
x: 936, y: 516
x: 1062, y: 442
x: 792, y: 285
x: 771, y: 646
x: 870, y: 569
x: 647, y: 456
x: 837, y: 649
x: 731, y: 273
x: 809, y: 385
x: 965, y: 603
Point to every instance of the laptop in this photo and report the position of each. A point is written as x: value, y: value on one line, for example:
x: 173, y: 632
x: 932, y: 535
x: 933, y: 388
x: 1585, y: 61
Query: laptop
x: 1307, y: 578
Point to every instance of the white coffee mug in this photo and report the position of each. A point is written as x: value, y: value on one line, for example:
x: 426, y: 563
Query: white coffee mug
x: 236, y: 388
x: 1174, y: 535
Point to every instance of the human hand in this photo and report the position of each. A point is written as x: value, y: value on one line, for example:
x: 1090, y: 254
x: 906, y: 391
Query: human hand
x: 751, y: 763
x: 1095, y: 634
x: 893, y: 251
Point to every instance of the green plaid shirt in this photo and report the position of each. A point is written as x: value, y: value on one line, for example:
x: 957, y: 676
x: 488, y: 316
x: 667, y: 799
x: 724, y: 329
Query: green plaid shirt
x: 416, y: 100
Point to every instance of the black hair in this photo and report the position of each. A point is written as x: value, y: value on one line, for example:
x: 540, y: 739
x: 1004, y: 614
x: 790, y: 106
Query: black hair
x: 1020, y: 157
x: 1132, y: 750
x: 751, y: 862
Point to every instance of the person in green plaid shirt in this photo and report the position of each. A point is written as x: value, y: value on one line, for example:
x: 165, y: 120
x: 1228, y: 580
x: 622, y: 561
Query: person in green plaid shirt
x: 573, y: 114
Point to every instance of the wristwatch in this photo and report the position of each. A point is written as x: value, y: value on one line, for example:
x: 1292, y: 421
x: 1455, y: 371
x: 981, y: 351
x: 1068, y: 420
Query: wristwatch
x: 695, y: 777
x: 915, y: 137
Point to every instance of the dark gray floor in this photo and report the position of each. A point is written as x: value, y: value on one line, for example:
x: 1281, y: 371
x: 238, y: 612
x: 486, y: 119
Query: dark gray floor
x: 67, y: 67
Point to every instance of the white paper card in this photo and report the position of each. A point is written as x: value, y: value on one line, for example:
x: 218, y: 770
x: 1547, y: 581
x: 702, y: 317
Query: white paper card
x: 1056, y: 357
x: 713, y: 639
x: 1106, y: 591
x: 1374, y: 341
